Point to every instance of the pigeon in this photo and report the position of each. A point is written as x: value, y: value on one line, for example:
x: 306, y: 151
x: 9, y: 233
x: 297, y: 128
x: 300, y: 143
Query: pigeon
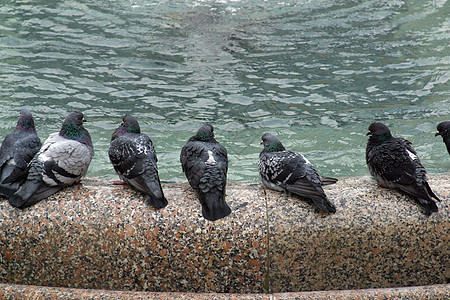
x: 394, y: 164
x: 17, y: 150
x: 205, y: 164
x: 134, y: 159
x: 289, y: 171
x: 62, y: 161
x: 443, y: 129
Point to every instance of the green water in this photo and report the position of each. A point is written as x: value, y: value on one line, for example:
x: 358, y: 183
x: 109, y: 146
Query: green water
x: 316, y: 73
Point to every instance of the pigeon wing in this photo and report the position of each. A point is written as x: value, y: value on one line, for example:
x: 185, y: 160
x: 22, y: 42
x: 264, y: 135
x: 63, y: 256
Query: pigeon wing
x: 294, y: 173
x: 24, y: 151
x: 394, y: 162
x: 64, y: 161
x: 192, y: 163
x: 126, y: 158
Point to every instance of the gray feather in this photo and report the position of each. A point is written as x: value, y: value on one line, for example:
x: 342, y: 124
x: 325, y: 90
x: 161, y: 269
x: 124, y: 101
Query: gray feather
x: 134, y: 159
x: 394, y: 164
x: 62, y: 161
x: 290, y: 171
x: 205, y: 164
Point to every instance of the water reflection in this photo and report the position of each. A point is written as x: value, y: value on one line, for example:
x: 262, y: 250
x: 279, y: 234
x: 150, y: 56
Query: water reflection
x: 314, y: 72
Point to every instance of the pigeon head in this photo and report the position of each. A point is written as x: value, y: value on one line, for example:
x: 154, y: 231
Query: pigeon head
x: 271, y: 143
x: 205, y: 133
x: 72, y: 127
x: 26, y: 122
x: 443, y: 129
x: 129, y: 125
x: 379, y: 132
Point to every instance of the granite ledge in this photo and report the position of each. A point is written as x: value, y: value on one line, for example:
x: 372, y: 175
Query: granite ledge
x: 100, y: 236
x: 14, y: 291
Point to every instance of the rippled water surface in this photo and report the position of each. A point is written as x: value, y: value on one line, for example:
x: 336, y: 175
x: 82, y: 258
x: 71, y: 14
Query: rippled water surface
x: 314, y: 72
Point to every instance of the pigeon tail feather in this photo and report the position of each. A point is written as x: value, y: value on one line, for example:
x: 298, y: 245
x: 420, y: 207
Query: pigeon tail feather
x: 214, y: 206
x: 430, y: 192
x: 31, y: 192
x: 328, y: 180
x: 7, y: 190
x: 325, y: 205
x: 151, y: 187
x: 304, y: 188
x: 21, y: 198
x: 429, y: 205
x: 157, y: 202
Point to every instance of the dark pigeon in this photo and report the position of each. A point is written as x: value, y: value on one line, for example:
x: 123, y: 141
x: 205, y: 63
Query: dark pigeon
x: 205, y: 164
x: 62, y: 161
x: 134, y: 159
x: 17, y: 150
x: 394, y: 164
x: 288, y: 171
x: 443, y: 129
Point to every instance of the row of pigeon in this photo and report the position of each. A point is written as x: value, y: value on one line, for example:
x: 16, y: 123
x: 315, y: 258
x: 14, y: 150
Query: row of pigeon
x: 30, y: 171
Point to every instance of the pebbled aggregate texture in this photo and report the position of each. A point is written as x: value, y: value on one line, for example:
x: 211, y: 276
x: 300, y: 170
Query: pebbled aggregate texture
x: 99, y: 236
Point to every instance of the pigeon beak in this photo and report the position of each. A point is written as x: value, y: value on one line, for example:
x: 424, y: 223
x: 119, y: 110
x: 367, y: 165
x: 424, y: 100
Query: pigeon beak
x: 369, y: 133
x: 438, y: 133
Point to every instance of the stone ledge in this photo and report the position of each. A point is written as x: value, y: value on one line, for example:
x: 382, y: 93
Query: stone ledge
x: 99, y: 236
x: 12, y: 291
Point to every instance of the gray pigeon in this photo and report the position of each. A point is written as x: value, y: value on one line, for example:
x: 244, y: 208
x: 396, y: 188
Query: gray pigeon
x: 62, y: 161
x: 134, y: 159
x: 17, y: 150
x: 288, y: 171
x: 443, y: 129
x: 205, y: 164
x: 394, y: 164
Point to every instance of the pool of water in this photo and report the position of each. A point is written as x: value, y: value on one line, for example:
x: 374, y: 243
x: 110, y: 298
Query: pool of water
x: 314, y: 72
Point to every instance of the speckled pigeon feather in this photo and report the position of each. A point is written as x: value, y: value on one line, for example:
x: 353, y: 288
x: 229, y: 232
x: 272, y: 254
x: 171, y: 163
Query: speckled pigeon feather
x: 16, y: 152
x: 290, y: 171
x: 443, y: 129
x: 394, y: 164
x: 205, y: 164
x: 62, y: 161
x: 134, y: 159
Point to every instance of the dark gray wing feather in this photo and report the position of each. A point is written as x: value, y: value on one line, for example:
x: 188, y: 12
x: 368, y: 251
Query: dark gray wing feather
x: 292, y: 172
x: 205, y: 166
x: 395, y: 164
x: 134, y: 159
x: 17, y: 150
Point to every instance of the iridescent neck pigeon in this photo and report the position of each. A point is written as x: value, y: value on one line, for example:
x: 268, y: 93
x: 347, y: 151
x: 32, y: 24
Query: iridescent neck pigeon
x: 134, y: 159
x: 16, y: 152
x: 62, y: 161
x: 205, y: 164
x: 394, y: 164
x: 288, y: 171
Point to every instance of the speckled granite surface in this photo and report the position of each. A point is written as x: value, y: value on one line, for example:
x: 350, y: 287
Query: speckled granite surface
x: 99, y: 236
x: 378, y: 238
x: 103, y: 236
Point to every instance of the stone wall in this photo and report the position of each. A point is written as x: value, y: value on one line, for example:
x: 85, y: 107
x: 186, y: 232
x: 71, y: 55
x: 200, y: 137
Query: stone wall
x: 100, y: 236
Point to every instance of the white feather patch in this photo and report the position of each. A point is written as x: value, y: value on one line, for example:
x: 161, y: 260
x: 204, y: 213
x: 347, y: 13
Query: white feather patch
x: 211, y: 159
x: 411, y: 155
